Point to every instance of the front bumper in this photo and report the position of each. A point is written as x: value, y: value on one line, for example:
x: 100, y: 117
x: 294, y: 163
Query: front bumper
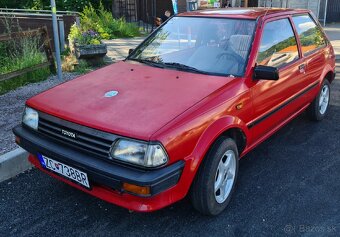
x: 106, y: 178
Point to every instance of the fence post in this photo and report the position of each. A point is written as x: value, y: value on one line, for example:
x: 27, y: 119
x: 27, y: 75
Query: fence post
x: 62, y: 35
x: 325, y: 14
x: 48, y: 49
x: 56, y: 38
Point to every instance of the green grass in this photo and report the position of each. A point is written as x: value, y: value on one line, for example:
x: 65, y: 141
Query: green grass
x: 17, y: 55
x: 30, y: 77
x: 82, y: 67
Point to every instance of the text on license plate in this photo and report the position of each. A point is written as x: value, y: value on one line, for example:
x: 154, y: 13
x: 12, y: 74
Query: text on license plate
x: 66, y: 171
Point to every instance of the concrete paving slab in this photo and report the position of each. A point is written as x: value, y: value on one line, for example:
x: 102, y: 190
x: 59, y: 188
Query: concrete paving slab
x: 13, y: 163
x: 333, y: 32
x: 118, y: 49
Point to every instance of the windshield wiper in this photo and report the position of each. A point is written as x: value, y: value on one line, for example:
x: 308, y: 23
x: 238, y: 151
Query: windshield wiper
x: 184, y: 67
x: 148, y: 62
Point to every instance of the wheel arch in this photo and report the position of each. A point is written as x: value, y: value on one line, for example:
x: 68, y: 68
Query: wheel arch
x: 330, y: 76
x: 228, y: 126
x: 327, y: 73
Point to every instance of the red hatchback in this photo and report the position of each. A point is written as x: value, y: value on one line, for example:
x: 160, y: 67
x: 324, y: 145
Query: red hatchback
x: 175, y: 117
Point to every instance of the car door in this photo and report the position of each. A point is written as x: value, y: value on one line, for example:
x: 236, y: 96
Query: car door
x: 313, y: 48
x: 273, y: 101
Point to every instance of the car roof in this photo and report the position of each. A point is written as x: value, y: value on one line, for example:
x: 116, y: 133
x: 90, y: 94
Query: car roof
x: 245, y: 13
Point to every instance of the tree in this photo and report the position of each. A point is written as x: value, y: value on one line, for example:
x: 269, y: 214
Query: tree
x: 65, y: 5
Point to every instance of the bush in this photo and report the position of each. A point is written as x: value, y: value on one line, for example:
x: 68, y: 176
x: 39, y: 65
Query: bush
x: 102, y: 22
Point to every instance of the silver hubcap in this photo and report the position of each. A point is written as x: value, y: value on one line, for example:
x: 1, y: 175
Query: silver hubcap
x: 324, y: 99
x: 225, y: 176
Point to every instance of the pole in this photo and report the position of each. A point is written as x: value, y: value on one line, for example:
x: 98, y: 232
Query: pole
x: 56, y: 38
x: 325, y: 14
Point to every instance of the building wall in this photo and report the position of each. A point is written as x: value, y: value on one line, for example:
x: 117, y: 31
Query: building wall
x: 313, y: 5
x: 182, y: 6
x: 333, y: 11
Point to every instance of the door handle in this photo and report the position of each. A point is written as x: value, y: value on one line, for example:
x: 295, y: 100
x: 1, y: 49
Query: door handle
x: 302, y: 68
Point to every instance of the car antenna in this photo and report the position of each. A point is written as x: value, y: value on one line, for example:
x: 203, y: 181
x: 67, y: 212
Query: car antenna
x: 264, y: 16
x: 266, y: 12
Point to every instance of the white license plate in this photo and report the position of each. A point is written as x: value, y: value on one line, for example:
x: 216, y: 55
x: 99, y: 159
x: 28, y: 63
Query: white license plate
x: 66, y: 171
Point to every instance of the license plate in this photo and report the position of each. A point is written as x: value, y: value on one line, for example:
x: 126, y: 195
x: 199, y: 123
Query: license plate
x: 65, y: 170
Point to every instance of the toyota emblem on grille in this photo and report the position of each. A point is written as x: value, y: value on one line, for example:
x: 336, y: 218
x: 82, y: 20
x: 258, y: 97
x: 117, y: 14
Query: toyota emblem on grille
x: 68, y: 133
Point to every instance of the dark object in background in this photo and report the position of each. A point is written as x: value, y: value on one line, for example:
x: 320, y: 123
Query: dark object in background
x: 160, y: 20
x: 226, y: 4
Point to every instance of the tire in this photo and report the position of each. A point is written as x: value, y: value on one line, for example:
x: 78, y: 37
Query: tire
x: 318, y: 109
x: 204, y: 197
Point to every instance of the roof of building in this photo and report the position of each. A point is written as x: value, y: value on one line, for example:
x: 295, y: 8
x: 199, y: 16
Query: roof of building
x: 247, y: 13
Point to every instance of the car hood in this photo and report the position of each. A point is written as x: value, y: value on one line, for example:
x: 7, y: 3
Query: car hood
x: 148, y: 98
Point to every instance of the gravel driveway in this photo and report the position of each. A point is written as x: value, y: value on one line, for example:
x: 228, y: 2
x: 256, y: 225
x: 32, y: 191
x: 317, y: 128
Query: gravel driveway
x: 12, y: 106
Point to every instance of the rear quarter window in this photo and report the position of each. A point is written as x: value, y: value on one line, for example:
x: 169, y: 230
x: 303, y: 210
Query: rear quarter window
x: 310, y: 34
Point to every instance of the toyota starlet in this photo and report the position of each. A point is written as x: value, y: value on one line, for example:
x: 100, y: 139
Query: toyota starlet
x: 174, y: 118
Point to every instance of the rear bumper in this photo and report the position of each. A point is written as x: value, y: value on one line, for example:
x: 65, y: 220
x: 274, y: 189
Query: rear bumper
x: 106, y: 178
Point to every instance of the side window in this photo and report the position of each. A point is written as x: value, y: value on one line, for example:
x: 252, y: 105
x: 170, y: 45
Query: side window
x: 278, y: 45
x: 310, y: 35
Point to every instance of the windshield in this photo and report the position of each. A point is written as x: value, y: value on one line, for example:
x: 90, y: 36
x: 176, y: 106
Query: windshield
x: 217, y: 46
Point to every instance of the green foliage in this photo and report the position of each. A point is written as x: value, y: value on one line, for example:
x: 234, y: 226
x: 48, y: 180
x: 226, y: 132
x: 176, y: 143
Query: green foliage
x: 19, y: 54
x: 30, y: 77
x: 73, y: 5
x: 83, y: 38
x: 102, y: 22
x: 62, y: 5
x: 74, y: 33
x: 82, y: 67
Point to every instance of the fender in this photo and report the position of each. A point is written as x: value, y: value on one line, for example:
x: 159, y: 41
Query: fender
x: 328, y: 68
x: 211, y: 134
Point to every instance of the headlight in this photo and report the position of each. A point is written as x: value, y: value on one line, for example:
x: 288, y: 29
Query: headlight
x: 139, y: 153
x: 30, y: 118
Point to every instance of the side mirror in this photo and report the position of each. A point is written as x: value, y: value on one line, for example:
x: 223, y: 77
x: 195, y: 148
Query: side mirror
x: 130, y: 51
x: 266, y: 73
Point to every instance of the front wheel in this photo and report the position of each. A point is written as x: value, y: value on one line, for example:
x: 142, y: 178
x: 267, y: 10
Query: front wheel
x: 319, y: 107
x: 216, y: 178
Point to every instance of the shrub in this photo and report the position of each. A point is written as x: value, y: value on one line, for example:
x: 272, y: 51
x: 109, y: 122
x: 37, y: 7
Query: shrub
x: 82, y: 67
x: 102, y: 22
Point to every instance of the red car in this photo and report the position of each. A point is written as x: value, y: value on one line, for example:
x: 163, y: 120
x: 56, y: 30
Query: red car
x: 174, y: 118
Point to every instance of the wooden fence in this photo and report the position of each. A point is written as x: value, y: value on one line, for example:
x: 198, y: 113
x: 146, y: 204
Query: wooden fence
x: 30, y: 19
x: 45, y: 44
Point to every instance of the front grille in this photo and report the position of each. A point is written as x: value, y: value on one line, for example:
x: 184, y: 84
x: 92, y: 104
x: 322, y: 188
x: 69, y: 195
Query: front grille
x: 86, y: 139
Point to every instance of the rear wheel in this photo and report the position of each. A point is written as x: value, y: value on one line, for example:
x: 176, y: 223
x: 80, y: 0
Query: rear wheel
x: 216, y: 178
x: 319, y: 107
